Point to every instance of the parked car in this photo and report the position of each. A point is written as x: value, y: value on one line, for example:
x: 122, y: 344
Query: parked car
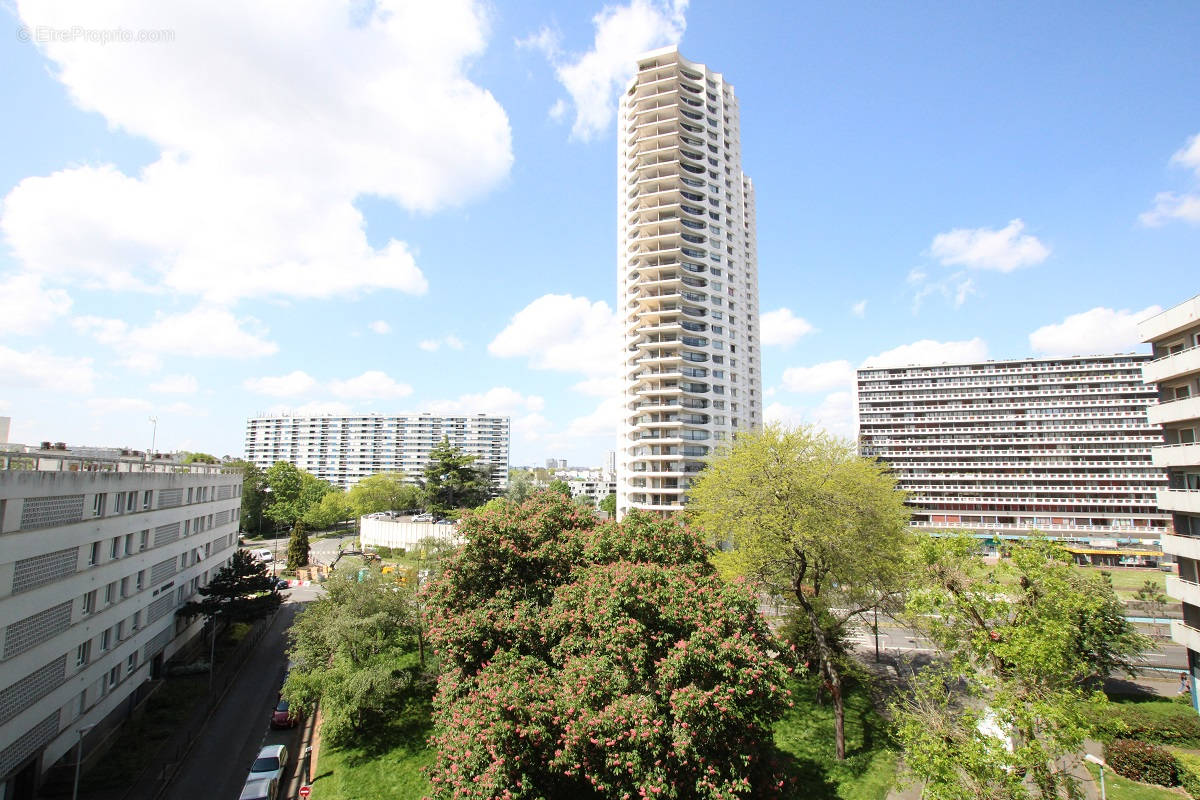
x: 264, y: 555
x: 270, y: 763
x: 284, y: 716
x: 259, y: 789
x: 423, y: 518
x: 444, y: 522
x: 281, y: 583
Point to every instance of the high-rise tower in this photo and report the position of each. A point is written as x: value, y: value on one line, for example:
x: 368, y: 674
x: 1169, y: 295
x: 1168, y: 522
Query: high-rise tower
x: 687, y: 279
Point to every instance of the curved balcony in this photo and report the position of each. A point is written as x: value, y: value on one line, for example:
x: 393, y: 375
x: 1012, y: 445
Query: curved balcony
x: 693, y: 312
x: 692, y: 252
x: 695, y: 327
x: 692, y: 168
x: 691, y: 114
x: 693, y: 267
x: 695, y: 184
x: 691, y: 223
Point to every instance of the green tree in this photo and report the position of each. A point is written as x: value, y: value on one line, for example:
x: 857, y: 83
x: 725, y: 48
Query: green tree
x: 353, y: 651
x: 384, y: 491
x: 1033, y: 650
x: 520, y: 485
x: 241, y: 591
x: 200, y: 458
x: 805, y: 517
x: 560, y: 486
x: 293, y: 492
x: 593, y: 660
x: 297, y: 549
x: 333, y: 508
x: 453, y: 480
x: 1152, y: 594
x: 609, y: 505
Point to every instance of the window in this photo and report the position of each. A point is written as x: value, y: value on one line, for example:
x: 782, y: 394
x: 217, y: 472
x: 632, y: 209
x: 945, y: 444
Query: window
x: 115, y: 550
x: 106, y: 640
x: 83, y: 654
x: 144, y: 540
x: 129, y: 544
x: 183, y: 561
x: 137, y: 621
x: 125, y: 584
x: 131, y: 662
x: 114, y: 675
x: 187, y: 527
x: 121, y: 631
x: 119, y: 503
x: 93, y: 554
x: 131, y: 501
x: 98, y: 505
x: 110, y: 593
x: 147, y: 496
x: 141, y: 580
x: 1183, y: 392
x: 189, y: 495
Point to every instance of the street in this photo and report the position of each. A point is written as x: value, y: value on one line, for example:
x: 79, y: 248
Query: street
x: 324, y: 551
x: 218, y: 763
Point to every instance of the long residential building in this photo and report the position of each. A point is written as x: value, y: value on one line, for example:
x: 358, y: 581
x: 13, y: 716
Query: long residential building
x: 97, y: 552
x: 687, y: 279
x: 345, y: 449
x: 1004, y: 448
x: 1174, y: 336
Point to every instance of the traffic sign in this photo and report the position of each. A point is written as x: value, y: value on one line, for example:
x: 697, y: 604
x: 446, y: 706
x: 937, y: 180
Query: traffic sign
x: 305, y: 791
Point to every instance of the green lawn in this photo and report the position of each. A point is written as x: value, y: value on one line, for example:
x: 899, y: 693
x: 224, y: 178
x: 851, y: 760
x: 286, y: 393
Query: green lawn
x: 387, y: 766
x: 1118, y: 788
x: 1125, y: 580
x: 805, y: 736
x: 390, y: 768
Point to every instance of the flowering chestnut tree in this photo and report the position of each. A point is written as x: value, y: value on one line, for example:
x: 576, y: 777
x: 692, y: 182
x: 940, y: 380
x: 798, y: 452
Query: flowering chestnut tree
x: 588, y: 659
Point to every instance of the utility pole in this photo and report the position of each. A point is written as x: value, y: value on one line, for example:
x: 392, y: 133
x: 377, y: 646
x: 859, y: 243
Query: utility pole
x: 153, y: 439
x: 78, y: 759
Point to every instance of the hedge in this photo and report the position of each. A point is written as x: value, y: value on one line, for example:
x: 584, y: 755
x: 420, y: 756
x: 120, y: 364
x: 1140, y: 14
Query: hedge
x: 1158, y: 722
x: 1141, y: 761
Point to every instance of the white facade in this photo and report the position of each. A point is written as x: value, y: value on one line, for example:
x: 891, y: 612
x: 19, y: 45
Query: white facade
x: 687, y: 279
x: 1008, y: 447
x: 1175, y: 369
x: 380, y: 531
x: 96, y: 555
x: 593, y: 488
x: 344, y: 450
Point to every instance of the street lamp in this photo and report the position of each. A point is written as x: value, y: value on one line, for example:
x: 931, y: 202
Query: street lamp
x: 79, y: 758
x: 1099, y: 762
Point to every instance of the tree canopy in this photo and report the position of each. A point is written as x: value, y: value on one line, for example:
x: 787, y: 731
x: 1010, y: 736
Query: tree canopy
x: 802, y: 515
x: 609, y: 504
x: 585, y: 660
x: 520, y: 485
x: 453, y: 480
x: 353, y: 650
x: 293, y: 492
x: 385, y: 491
x: 239, y: 592
x: 200, y: 458
x: 1033, y: 650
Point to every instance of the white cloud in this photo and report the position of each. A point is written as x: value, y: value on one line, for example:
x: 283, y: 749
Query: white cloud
x: 594, y: 79
x: 782, y: 328
x: 380, y: 326
x: 859, y: 309
x: 1004, y: 250
x: 603, y: 421
x: 27, y: 307
x: 928, y: 351
x: 1099, y: 331
x: 835, y: 413
x: 433, y: 345
x: 118, y: 405
x: 371, y: 385
x: 40, y: 369
x: 500, y: 400
x: 264, y: 150
x: 1189, y: 155
x: 819, y: 377
x: 176, y: 384
x: 955, y: 288
x: 291, y: 385
x: 564, y: 333
x: 1170, y: 206
x: 203, y: 332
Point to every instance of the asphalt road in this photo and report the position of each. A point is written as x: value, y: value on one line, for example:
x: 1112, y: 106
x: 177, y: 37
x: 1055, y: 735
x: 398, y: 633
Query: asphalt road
x: 324, y: 551
x: 217, y: 765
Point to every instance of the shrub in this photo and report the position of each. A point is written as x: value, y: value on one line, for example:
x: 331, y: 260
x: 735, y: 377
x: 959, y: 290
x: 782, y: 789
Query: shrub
x: 1188, y: 767
x: 383, y: 552
x: 1158, y: 722
x: 1141, y: 761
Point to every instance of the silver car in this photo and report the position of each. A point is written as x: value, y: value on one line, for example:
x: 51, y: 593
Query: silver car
x: 270, y: 763
x: 259, y: 789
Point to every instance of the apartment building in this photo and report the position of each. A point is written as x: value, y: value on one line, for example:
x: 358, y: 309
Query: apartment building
x: 1174, y: 369
x: 687, y: 279
x: 345, y: 449
x: 1004, y: 448
x: 97, y: 551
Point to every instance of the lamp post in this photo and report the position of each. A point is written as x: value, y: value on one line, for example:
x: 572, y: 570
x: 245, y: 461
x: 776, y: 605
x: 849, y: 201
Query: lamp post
x: 79, y: 758
x: 261, y: 507
x: 212, y: 650
x: 1100, y: 763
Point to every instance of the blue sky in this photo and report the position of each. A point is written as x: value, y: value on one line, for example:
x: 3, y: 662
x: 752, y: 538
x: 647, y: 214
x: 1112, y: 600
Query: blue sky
x: 390, y: 207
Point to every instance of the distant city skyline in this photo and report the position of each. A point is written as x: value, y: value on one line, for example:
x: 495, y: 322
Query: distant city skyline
x: 945, y: 182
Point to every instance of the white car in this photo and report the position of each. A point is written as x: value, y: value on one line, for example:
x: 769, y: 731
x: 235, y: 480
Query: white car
x: 423, y: 518
x: 270, y: 763
x: 263, y: 555
x: 259, y: 789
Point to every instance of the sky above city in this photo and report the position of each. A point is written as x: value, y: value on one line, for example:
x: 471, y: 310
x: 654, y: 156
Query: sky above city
x: 212, y: 211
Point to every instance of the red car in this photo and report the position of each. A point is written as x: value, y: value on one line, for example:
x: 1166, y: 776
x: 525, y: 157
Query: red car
x: 283, y: 716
